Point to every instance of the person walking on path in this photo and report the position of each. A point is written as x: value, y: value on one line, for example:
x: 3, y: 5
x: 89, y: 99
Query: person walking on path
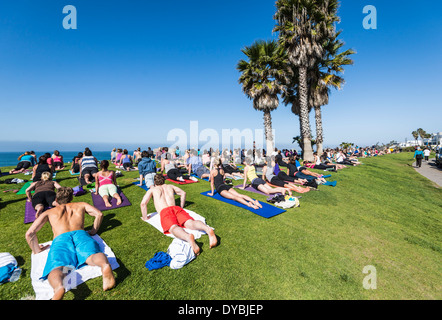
x: 418, y: 155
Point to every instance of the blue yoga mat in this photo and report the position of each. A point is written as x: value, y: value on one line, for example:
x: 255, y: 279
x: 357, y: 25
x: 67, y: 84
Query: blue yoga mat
x: 267, y: 210
x: 142, y: 187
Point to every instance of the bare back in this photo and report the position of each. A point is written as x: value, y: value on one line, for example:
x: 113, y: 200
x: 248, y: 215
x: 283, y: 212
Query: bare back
x: 163, y: 196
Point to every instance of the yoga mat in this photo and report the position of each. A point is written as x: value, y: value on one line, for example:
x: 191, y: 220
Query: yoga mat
x: 180, y: 182
x: 251, y: 189
x: 267, y: 210
x: 74, y: 174
x: 142, y: 187
x: 99, y: 202
x: 25, y: 186
x: 30, y: 212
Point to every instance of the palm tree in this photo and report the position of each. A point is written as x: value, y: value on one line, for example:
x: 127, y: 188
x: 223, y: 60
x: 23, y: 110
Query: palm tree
x: 261, y: 78
x: 303, y: 25
x: 415, y: 135
x: 326, y: 74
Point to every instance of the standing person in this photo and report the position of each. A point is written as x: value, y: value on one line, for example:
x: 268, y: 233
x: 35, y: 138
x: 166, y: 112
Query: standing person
x: 106, y: 184
x: 44, y: 195
x: 418, y: 155
x: 174, y: 218
x: 147, y: 169
x: 88, y: 166
x: 427, y: 154
x: 72, y: 246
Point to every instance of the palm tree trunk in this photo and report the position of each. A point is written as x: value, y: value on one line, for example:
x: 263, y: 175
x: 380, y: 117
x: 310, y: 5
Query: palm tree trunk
x: 304, y: 116
x: 319, y: 131
x: 268, y: 132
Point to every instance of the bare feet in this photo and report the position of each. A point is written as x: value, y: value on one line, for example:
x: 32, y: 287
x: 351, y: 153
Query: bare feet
x: 58, y: 293
x: 119, y: 201
x: 212, y: 238
x: 196, y: 249
x: 108, y: 278
x: 107, y: 204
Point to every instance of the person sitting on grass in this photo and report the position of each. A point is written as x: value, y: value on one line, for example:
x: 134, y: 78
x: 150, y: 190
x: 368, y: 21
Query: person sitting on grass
x: 269, y: 176
x: 44, y: 195
x: 26, y: 160
x: 217, y: 182
x: 258, y: 183
x: 106, y: 184
x: 58, y: 160
x: 72, y: 246
x: 174, y: 218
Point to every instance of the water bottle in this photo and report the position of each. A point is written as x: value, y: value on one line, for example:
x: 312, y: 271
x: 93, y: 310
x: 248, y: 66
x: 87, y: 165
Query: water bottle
x: 15, y: 275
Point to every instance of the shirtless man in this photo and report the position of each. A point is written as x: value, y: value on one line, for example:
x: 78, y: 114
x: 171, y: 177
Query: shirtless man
x: 174, y: 218
x: 72, y: 246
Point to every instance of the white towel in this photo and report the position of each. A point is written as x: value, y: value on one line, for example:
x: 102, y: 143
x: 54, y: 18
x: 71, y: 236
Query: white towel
x: 42, y: 288
x: 155, y: 221
x: 181, y: 253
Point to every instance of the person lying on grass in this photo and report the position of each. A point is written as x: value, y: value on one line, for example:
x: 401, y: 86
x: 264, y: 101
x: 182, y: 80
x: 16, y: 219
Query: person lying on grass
x: 269, y: 176
x: 174, y: 218
x: 258, y: 183
x: 44, y: 195
x: 217, y: 182
x: 106, y: 184
x: 26, y: 160
x: 72, y: 246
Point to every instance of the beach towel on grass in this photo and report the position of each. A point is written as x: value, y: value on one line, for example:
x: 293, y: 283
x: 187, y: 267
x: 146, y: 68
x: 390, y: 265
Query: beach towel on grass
x: 267, y: 210
x: 99, y: 202
x: 154, y: 220
x: 180, y: 182
x: 42, y: 288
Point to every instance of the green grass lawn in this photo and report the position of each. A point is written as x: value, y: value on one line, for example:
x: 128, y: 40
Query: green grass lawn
x: 382, y: 213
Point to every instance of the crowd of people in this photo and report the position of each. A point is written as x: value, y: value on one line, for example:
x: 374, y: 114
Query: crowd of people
x: 280, y: 172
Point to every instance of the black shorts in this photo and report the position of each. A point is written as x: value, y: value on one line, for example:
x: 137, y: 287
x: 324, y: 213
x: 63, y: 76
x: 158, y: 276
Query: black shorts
x: 23, y: 165
x: 222, y: 188
x: 46, y: 198
x: 277, y: 182
x: 89, y: 170
x: 229, y: 169
x: 257, y: 182
x: 58, y: 164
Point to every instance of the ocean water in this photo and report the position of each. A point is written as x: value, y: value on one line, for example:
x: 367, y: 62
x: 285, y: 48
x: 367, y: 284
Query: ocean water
x: 10, y: 158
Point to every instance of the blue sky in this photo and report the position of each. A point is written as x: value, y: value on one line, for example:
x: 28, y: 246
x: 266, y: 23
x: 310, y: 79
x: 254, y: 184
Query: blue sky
x: 133, y: 70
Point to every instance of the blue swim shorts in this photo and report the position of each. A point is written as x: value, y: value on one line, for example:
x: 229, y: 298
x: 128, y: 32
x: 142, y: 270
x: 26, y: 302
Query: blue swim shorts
x: 71, y: 250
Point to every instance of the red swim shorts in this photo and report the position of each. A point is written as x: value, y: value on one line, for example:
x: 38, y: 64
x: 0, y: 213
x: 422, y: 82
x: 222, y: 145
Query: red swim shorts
x: 174, y: 215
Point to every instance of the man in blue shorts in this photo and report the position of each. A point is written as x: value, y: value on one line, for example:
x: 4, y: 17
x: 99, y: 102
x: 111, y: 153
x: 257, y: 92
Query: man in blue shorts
x: 72, y: 246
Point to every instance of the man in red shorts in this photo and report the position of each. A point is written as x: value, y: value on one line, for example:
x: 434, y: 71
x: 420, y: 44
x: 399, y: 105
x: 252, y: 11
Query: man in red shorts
x: 174, y: 218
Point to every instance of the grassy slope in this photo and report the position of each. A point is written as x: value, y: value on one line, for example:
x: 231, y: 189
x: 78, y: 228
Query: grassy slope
x: 381, y: 213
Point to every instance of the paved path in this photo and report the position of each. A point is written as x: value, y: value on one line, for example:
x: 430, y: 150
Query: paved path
x: 430, y: 171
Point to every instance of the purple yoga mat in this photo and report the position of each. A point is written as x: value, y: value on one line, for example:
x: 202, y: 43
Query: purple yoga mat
x: 30, y: 212
x: 99, y: 202
x: 251, y: 189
